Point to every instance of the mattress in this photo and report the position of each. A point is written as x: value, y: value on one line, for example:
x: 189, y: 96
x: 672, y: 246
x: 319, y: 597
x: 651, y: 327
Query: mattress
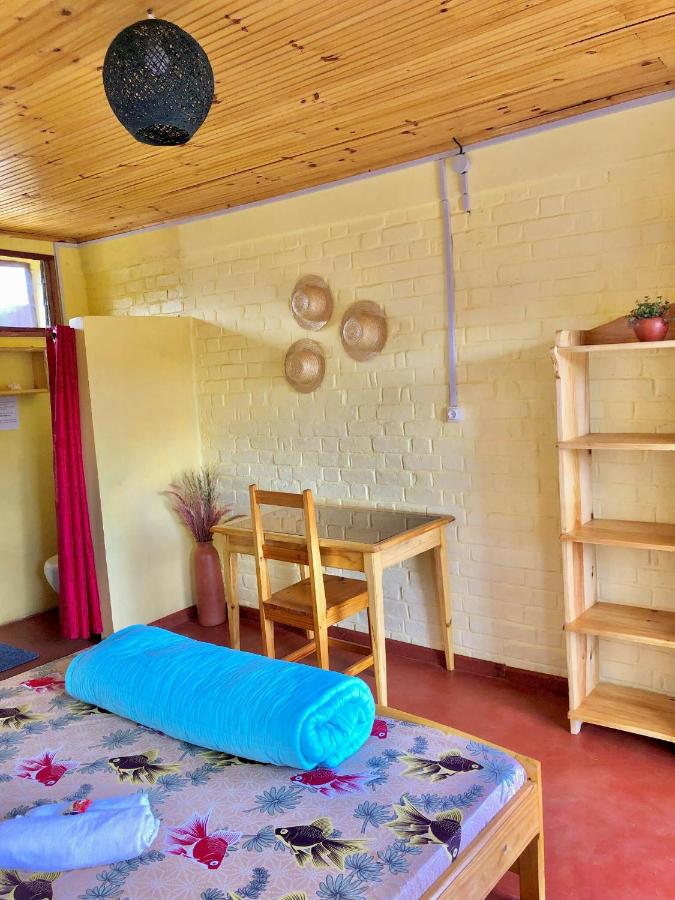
x: 384, y: 824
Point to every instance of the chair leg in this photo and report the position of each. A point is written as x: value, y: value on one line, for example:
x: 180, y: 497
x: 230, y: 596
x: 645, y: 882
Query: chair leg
x: 321, y: 638
x: 304, y: 573
x: 267, y: 629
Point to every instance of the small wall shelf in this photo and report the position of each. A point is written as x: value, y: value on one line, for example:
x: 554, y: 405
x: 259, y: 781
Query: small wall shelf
x: 620, y: 441
x: 587, y: 620
x: 24, y: 391
x: 35, y: 372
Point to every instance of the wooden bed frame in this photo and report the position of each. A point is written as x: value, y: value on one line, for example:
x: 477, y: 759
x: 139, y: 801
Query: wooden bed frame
x: 512, y: 841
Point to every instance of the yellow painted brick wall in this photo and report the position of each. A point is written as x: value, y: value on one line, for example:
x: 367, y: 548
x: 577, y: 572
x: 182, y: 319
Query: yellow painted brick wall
x: 28, y: 535
x: 568, y: 228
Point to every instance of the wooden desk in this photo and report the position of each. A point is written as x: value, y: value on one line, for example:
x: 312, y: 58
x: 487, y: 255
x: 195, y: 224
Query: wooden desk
x: 353, y: 538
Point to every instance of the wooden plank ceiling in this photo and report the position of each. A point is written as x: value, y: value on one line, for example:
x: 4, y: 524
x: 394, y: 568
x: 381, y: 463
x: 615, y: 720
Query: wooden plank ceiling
x: 307, y: 92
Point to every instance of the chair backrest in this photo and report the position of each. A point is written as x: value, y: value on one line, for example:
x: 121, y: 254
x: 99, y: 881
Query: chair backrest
x: 265, y: 550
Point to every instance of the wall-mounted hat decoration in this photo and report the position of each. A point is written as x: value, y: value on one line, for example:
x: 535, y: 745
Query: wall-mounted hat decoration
x: 311, y: 302
x: 158, y: 81
x: 305, y: 366
x: 363, y: 330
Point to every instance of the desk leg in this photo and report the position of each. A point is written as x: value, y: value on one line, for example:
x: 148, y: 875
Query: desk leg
x: 373, y: 570
x: 442, y: 577
x: 230, y: 579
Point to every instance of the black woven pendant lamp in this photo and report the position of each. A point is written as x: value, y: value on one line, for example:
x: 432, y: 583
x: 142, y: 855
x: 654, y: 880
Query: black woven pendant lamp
x: 158, y: 81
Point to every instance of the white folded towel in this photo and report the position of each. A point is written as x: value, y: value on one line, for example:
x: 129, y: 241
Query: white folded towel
x: 48, y: 838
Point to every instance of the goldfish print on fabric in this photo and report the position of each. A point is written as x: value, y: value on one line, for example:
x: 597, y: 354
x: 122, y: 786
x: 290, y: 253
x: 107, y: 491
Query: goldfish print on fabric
x: 193, y: 841
x: 315, y: 844
x: 380, y: 729
x: 44, y: 768
x: 448, y: 764
x: 38, y: 886
x: 413, y: 826
x: 78, y: 708
x: 140, y: 767
x: 222, y: 760
x: 16, y: 717
x: 338, y: 845
x: 330, y: 783
x: 45, y: 685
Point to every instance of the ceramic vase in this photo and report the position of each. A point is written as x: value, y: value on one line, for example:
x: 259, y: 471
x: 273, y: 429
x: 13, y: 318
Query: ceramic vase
x: 208, y: 582
x: 654, y: 329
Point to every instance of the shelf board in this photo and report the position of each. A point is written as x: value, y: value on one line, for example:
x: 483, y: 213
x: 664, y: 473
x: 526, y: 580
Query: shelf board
x: 637, y: 624
x: 21, y: 349
x: 620, y: 533
x: 620, y: 441
x: 631, y: 345
x: 629, y: 709
x: 24, y: 391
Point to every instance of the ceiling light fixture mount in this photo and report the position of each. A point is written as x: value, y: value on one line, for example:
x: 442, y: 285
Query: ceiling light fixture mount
x: 158, y: 81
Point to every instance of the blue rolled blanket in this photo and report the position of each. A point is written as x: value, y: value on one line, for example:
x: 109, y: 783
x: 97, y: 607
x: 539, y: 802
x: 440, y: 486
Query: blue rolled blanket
x: 51, y: 838
x: 250, y: 706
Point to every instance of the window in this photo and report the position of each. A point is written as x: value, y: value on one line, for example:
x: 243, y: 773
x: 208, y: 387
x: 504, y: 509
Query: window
x: 18, y: 303
x: 28, y: 293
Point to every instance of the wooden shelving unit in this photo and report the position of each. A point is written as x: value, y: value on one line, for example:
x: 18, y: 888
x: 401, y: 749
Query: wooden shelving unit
x: 588, y: 619
x: 36, y: 371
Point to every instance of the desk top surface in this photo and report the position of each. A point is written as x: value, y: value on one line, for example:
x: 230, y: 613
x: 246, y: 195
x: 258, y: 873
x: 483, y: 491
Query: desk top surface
x: 340, y: 524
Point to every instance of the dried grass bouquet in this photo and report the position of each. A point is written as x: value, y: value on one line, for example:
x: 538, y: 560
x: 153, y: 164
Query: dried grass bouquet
x: 196, y: 499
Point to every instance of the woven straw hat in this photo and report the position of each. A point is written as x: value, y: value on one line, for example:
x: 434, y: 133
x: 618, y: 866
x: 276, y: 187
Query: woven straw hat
x: 311, y: 302
x: 305, y: 366
x: 363, y: 330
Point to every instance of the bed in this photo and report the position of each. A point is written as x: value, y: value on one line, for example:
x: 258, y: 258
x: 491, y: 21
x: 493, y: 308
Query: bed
x: 421, y: 811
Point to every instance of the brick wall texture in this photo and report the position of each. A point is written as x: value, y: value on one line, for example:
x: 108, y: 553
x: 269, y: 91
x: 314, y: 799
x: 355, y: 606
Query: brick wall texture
x: 569, y: 244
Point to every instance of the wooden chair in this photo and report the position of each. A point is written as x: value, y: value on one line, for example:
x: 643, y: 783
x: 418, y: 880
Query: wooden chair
x: 314, y: 603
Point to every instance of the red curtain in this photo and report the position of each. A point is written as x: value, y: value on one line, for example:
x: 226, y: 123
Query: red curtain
x: 78, y: 588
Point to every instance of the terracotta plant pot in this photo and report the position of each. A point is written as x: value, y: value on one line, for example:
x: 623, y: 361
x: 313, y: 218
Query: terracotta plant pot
x: 654, y: 329
x: 208, y: 581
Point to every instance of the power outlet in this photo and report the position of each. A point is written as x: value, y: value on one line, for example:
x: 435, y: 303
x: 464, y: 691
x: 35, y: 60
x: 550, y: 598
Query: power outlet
x: 455, y: 414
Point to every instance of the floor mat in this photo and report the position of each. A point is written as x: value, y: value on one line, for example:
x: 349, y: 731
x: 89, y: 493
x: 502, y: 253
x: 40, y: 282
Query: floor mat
x: 10, y: 657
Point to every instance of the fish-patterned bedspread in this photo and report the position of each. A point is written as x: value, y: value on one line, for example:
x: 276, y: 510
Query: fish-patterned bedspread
x: 385, y: 824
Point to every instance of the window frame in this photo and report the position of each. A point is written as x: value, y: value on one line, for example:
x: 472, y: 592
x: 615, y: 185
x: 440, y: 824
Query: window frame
x: 52, y: 293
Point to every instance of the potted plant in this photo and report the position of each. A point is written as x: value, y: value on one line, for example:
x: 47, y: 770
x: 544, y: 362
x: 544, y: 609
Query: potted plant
x: 195, y: 498
x: 650, y: 320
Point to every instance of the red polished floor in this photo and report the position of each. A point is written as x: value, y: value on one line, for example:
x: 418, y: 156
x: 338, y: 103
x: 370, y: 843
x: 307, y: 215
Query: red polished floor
x: 609, y: 797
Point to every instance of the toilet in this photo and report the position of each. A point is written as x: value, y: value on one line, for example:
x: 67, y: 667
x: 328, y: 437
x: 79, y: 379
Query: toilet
x: 52, y: 572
